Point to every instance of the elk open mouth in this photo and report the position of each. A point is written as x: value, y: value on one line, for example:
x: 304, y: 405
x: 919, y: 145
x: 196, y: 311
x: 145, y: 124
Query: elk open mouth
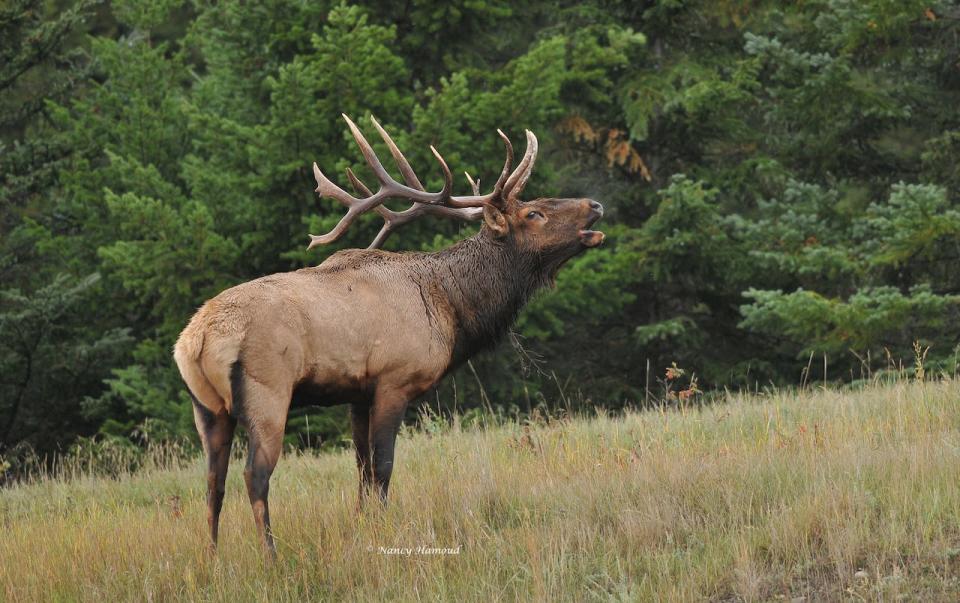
x: 591, y: 238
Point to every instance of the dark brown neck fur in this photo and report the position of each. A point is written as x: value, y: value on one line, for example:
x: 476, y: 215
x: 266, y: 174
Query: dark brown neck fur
x: 485, y: 282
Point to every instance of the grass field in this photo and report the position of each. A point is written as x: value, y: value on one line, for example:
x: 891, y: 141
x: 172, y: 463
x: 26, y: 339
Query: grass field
x: 827, y: 495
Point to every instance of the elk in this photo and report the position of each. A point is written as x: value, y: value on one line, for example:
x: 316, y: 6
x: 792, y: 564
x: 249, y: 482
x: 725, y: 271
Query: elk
x: 370, y: 328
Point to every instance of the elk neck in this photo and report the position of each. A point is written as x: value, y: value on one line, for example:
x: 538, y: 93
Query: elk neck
x: 486, y: 282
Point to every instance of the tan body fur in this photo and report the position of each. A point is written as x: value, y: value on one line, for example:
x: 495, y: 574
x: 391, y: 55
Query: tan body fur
x: 364, y: 331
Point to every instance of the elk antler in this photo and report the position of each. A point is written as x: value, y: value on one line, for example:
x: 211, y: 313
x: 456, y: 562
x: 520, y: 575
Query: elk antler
x: 518, y: 179
x: 441, y: 203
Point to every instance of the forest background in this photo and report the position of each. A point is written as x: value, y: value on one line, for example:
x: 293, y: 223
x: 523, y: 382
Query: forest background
x: 781, y: 183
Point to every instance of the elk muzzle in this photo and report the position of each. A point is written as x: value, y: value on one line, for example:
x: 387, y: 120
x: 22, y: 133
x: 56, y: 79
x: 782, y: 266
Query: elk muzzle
x: 591, y: 238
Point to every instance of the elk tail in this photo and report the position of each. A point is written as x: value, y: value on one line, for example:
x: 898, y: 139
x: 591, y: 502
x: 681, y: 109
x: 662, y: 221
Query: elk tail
x: 189, y: 345
x: 186, y: 353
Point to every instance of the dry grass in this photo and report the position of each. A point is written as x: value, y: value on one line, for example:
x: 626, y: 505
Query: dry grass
x: 829, y: 495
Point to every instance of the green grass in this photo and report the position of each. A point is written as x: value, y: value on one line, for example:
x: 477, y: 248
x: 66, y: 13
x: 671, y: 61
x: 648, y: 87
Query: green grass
x: 826, y: 495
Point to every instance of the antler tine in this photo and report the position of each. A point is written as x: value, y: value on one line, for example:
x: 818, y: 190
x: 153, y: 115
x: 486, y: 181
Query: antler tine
x: 372, y: 160
x: 327, y: 188
x: 444, y: 195
x: 506, y: 164
x: 518, y: 180
x: 475, y: 185
x: 408, y: 174
x: 357, y: 185
x: 495, y: 196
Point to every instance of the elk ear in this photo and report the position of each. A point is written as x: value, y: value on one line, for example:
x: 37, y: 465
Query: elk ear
x: 495, y: 220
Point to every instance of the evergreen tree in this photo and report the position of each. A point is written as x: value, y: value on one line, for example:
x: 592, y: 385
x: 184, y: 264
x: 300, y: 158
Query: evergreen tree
x: 780, y: 181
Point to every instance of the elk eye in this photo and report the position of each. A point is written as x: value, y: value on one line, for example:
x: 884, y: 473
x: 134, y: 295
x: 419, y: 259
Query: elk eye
x: 534, y: 214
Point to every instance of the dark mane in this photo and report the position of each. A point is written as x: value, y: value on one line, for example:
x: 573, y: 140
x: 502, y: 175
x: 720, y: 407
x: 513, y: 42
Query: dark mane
x: 485, y: 282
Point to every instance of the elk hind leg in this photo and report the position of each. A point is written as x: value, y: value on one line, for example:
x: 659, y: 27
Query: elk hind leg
x: 264, y: 415
x: 216, y: 433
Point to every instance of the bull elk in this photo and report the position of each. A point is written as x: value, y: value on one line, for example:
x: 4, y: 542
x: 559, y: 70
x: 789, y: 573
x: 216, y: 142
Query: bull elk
x: 370, y: 328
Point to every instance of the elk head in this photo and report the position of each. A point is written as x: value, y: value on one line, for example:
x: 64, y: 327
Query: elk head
x: 554, y: 230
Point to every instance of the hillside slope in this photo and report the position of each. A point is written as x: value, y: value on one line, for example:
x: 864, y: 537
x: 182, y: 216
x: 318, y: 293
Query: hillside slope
x: 821, y: 495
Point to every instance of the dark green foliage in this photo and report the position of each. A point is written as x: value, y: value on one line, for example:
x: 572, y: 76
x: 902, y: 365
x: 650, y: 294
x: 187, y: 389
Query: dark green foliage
x: 49, y: 361
x: 780, y: 181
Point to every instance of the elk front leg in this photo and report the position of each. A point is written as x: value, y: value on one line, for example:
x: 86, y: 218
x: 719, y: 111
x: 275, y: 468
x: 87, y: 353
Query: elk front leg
x: 360, y: 422
x: 216, y: 434
x: 385, y: 419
